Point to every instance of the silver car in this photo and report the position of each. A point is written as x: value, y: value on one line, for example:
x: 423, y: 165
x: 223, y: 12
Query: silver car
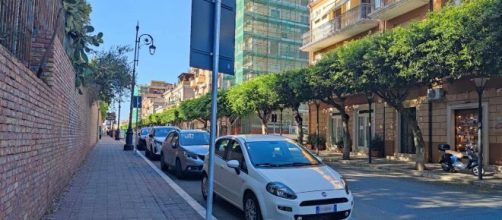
x: 154, y: 140
x: 184, y: 151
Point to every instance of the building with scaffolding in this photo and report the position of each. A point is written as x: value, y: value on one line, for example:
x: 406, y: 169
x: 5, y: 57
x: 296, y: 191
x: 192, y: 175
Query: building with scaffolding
x: 268, y: 36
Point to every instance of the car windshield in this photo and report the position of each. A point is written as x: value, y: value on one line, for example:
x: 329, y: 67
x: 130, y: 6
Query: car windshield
x: 194, y: 138
x: 162, y: 132
x: 144, y: 132
x: 279, y: 154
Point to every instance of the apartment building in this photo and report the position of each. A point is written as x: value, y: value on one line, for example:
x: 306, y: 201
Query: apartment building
x: 201, y: 82
x: 450, y: 111
x: 152, y: 97
x: 180, y: 92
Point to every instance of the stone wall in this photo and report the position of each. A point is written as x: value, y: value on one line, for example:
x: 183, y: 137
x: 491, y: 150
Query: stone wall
x: 45, y: 133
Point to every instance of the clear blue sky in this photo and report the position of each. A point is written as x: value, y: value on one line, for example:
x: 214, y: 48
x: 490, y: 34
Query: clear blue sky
x: 168, y: 21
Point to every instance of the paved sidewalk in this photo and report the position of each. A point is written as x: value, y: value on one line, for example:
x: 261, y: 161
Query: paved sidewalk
x: 117, y: 184
x: 434, y: 172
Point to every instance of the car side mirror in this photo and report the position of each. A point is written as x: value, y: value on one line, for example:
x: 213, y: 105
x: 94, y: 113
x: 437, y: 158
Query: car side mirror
x: 234, y: 164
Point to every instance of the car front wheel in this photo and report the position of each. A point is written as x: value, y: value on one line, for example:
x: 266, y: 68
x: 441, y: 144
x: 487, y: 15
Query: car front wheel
x: 178, y: 170
x: 204, y: 186
x: 251, y: 208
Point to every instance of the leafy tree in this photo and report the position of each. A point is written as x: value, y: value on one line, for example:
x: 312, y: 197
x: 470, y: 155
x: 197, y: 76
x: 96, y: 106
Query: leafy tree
x: 256, y: 95
x: 197, y: 109
x: 225, y: 109
x: 333, y: 81
x: 294, y: 90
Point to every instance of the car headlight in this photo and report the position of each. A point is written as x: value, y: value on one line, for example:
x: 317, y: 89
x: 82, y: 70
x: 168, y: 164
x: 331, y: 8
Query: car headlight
x: 280, y: 190
x: 346, y: 185
x: 190, y: 155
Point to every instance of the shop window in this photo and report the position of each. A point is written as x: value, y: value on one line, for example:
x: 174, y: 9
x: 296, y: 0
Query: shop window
x: 466, y: 128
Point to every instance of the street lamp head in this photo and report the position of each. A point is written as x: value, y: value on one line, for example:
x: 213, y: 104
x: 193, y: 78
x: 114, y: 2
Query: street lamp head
x: 370, y: 95
x: 281, y: 106
x: 152, y: 49
x: 480, y: 82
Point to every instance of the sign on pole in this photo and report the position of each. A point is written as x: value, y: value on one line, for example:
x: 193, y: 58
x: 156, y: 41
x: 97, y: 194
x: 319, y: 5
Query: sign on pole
x: 212, y: 33
x: 110, y: 116
x: 136, y: 102
x: 202, y: 35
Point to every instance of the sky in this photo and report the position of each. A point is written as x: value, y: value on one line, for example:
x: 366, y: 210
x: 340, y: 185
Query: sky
x: 168, y: 21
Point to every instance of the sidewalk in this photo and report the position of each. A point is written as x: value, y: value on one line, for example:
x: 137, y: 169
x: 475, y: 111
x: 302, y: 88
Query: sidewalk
x: 434, y: 172
x: 117, y: 184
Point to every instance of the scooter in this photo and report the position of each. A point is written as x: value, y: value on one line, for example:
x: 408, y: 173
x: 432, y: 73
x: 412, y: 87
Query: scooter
x: 452, y: 160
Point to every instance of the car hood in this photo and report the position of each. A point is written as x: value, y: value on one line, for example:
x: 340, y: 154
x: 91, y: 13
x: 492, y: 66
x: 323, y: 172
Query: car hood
x: 197, y: 149
x: 159, y: 139
x: 303, y: 179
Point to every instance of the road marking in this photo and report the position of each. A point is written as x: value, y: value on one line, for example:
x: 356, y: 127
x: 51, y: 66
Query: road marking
x: 195, y: 205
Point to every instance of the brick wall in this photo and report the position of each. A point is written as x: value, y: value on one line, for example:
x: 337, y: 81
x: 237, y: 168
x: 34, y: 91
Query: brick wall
x: 45, y: 134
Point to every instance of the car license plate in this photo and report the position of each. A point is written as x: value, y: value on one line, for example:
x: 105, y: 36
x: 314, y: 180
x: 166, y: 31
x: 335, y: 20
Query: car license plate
x: 325, y: 209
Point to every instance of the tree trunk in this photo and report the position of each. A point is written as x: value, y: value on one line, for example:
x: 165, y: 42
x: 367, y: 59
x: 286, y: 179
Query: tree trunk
x: 418, y: 139
x: 264, y: 120
x: 347, y: 140
x: 299, y: 124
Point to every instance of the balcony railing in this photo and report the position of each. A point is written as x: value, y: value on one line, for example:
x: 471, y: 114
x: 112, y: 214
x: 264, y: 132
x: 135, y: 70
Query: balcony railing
x: 379, y: 4
x: 339, y: 23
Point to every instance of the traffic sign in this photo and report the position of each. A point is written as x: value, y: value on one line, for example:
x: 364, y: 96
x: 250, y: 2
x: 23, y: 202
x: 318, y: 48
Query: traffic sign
x: 202, y: 35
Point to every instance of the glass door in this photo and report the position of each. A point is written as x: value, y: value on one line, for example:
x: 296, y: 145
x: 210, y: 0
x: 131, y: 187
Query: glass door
x: 407, y: 143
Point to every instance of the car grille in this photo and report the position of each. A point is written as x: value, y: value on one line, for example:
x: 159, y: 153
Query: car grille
x: 201, y: 157
x: 325, y: 216
x: 323, y: 201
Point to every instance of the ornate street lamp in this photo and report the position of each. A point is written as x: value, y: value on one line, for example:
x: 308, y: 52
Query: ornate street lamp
x: 480, y: 83
x: 369, y: 96
x: 281, y: 108
x: 148, y: 41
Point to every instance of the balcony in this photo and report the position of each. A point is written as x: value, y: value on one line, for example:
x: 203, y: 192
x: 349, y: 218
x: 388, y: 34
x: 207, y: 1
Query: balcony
x: 342, y: 27
x: 388, y: 9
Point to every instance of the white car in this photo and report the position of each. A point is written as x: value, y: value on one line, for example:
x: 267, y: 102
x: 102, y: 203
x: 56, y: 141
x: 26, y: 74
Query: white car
x: 272, y: 177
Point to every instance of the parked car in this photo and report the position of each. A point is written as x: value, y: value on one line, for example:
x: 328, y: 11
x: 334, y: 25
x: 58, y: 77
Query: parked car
x: 156, y: 136
x: 184, y: 151
x: 272, y: 177
x: 143, y: 134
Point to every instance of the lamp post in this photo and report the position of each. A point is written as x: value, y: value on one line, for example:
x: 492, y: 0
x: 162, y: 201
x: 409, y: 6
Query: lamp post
x: 317, y: 103
x: 281, y: 108
x: 148, y: 40
x: 369, y: 96
x: 480, y: 83
x: 117, y: 132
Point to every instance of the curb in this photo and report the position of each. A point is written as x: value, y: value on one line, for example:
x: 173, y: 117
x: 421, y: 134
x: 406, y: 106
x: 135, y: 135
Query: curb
x: 428, y: 175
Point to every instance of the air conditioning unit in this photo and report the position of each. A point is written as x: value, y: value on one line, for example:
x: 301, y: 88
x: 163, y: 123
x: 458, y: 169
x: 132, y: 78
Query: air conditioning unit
x: 435, y: 94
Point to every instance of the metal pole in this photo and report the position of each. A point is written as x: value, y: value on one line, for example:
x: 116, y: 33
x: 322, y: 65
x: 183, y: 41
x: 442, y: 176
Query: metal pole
x: 369, y: 131
x: 117, y: 136
x: 214, y: 97
x: 480, y: 133
x: 430, y: 131
x: 129, y: 145
x: 280, y: 128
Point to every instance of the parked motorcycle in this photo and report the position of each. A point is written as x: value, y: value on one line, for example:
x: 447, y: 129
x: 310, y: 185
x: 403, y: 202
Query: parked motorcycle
x: 452, y: 160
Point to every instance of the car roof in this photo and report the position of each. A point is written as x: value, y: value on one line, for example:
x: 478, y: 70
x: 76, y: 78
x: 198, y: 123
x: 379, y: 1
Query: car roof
x: 192, y: 131
x: 154, y: 127
x: 258, y: 137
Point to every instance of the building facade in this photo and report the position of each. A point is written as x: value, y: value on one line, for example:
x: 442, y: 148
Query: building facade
x: 449, y: 117
x: 180, y: 92
x: 152, y: 96
x: 201, y: 81
x: 267, y: 40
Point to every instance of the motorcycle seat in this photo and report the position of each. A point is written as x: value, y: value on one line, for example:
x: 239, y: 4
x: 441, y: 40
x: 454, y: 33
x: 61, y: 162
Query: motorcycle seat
x: 455, y: 153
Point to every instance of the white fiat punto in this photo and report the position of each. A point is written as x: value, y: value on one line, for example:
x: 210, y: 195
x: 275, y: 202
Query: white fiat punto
x: 272, y: 177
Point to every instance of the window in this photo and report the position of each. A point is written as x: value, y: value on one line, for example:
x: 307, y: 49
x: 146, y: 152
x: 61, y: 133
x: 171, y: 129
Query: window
x: 276, y: 13
x: 337, y: 130
x: 279, y: 153
x: 221, y: 147
x: 169, y: 137
x: 362, y: 122
x: 175, y: 139
x: 194, y: 138
x: 235, y: 152
x: 273, y: 47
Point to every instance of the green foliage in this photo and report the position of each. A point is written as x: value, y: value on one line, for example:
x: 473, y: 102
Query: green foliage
x: 111, y: 74
x: 256, y: 95
x: 293, y: 87
x: 103, y: 108
x: 79, y: 37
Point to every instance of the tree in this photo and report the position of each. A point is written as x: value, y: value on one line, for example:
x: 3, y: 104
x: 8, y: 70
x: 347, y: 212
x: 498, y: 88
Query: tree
x: 258, y: 95
x: 294, y: 90
x: 333, y: 82
x: 197, y: 109
x: 225, y: 109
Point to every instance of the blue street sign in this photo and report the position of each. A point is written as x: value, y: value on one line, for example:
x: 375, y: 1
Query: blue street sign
x: 136, y: 102
x: 202, y: 35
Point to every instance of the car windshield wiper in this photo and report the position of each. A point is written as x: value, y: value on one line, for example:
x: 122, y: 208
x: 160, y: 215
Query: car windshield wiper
x: 266, y: 165
x: 294, y: 164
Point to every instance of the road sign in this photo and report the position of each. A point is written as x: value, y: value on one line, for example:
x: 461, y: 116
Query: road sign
x: 202, y: 35
x: 110, y: 116
x: 136, y: 101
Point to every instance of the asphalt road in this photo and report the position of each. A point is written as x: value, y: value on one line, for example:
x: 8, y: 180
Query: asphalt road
x: 390, y: 197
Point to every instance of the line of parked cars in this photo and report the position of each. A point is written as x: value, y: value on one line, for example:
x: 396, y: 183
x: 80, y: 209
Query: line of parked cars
x: 265, y: 176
